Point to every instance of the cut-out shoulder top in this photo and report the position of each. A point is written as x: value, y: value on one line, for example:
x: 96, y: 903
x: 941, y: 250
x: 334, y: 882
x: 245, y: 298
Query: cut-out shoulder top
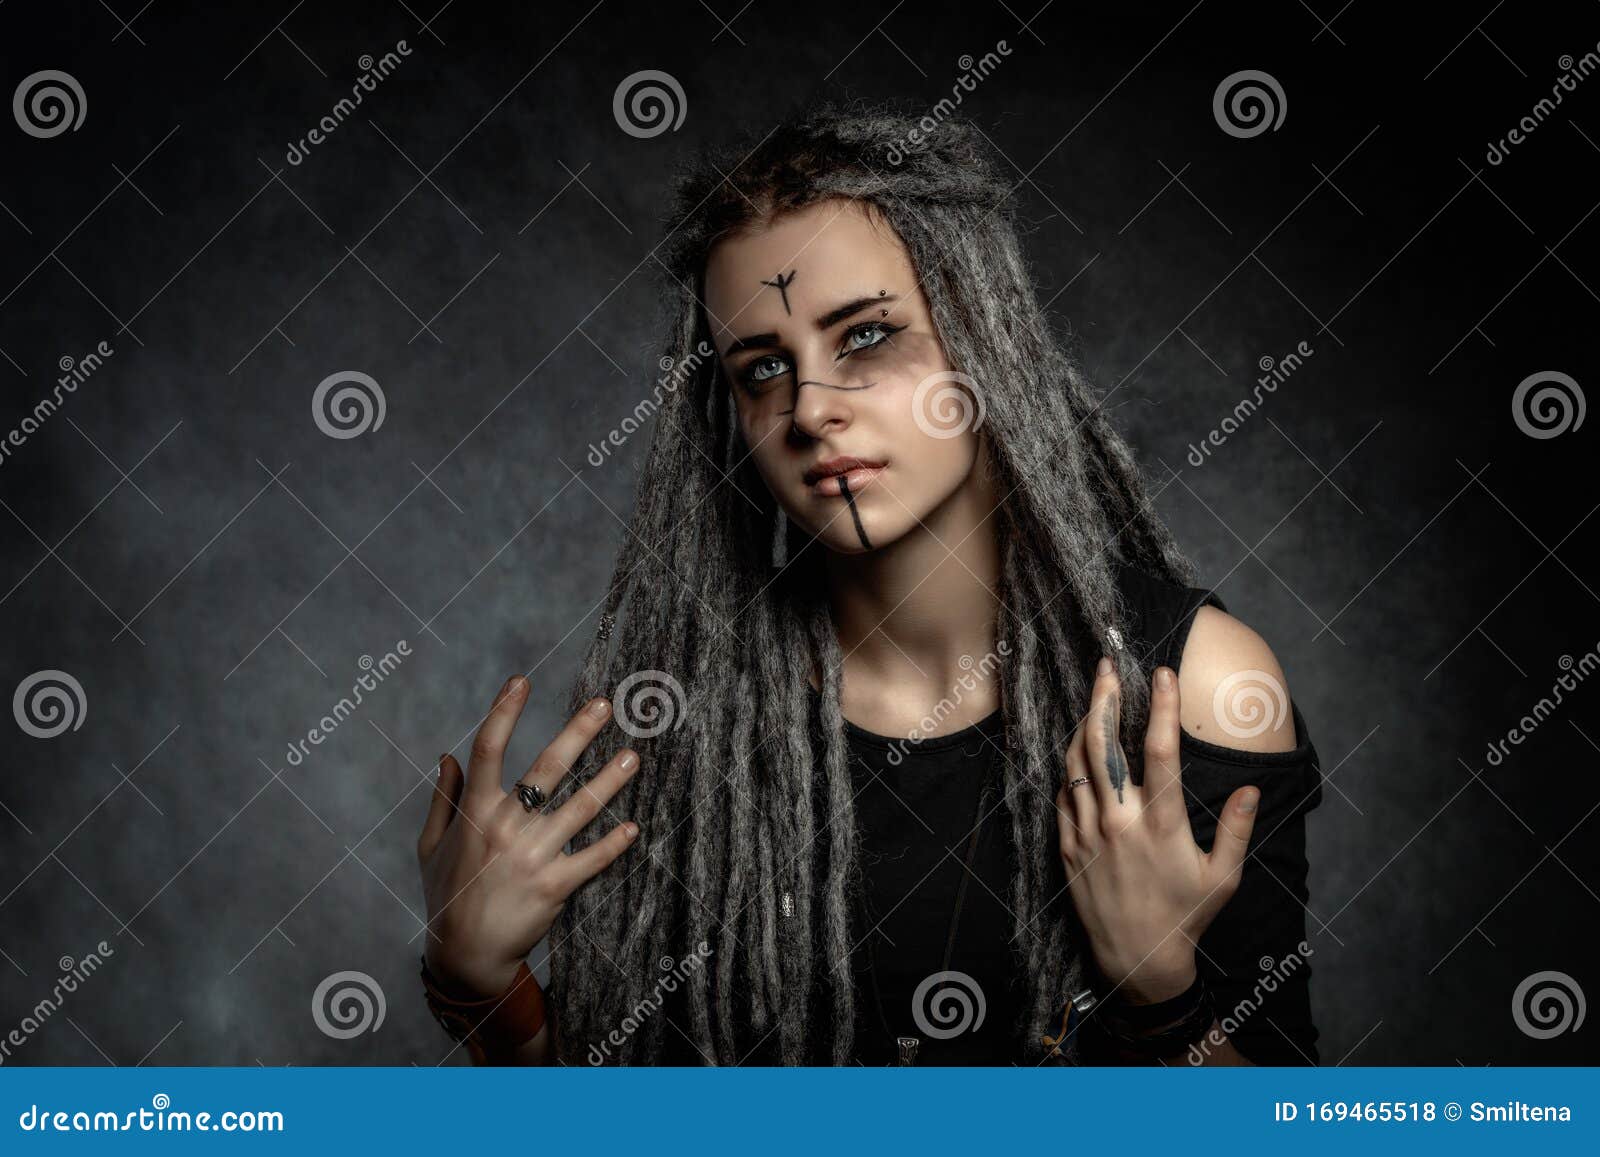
x: 917, y: 805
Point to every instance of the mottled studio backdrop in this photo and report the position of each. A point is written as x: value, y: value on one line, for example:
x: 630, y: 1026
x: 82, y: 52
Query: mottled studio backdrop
x: 202, y: 571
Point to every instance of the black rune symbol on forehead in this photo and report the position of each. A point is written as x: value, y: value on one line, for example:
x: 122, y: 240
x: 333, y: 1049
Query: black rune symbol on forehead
x: 781, y: 284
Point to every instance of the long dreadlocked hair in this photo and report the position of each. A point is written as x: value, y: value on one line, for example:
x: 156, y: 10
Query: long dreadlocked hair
x: 731, y: 797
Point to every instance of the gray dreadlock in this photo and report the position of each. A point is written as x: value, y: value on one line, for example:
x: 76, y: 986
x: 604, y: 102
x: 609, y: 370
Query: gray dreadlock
x: 725, y: 793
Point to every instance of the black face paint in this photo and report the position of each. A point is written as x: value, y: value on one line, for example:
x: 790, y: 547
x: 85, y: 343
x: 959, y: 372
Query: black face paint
x: 861, y: 531
x: 782, y: 286
x: 831, y: 386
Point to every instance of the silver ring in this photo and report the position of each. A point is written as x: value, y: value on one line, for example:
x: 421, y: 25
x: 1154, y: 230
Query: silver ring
x: 531, y: 795
x: 1079, y: 782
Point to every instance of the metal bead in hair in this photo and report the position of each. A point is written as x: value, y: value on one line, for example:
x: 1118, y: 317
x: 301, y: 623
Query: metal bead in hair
x: 607, y: 621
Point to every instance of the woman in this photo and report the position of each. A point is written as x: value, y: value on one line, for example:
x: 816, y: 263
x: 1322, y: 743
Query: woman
x: 878, y: 467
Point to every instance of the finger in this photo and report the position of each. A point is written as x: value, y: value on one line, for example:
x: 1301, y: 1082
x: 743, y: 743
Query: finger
x: 569, y: 872
x: 1234, y: 825
x: 485, y: 768
x: 442, y: 807
x: 1084, y: 807
x: 587, y: 801
x: 1108, y: 763
x: 1163, y: 774
x: 564, y: 751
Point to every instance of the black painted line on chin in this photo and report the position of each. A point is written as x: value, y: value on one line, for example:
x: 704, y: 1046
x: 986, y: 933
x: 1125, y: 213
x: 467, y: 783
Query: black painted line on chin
x: 861, y: 531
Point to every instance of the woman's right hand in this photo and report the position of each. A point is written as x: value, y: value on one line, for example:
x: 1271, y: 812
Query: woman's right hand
x: 494, y: 874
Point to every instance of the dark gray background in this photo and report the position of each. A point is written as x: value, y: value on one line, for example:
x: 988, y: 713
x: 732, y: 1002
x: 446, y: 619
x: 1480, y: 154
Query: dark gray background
x: 210, y: 567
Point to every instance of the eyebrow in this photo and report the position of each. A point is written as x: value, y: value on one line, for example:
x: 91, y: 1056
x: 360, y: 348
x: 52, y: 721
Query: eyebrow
x: 827, y: 321
x: 834, y: 316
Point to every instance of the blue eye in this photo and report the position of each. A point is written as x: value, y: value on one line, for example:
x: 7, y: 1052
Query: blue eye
x: 857, y: 337
x: 765, y: 368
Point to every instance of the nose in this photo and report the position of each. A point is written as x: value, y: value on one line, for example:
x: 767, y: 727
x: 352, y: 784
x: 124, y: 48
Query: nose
x: 819, y: 408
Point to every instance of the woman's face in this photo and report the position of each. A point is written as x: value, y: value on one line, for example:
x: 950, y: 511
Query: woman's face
x: 827, y: 345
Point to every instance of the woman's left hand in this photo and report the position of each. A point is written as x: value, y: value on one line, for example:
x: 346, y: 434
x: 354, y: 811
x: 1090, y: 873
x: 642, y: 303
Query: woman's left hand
x: 1143, y: 888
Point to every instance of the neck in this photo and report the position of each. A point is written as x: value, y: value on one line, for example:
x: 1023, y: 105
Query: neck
x: 908, y: 613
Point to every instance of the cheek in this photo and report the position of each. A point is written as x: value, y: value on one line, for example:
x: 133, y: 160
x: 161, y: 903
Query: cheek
x: 759, y: 445
x: 937, y: 467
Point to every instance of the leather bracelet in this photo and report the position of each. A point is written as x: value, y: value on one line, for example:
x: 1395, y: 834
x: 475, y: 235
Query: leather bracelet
x: 1194, y: 1011
x: 1160, y: 1013
x: 492, y: 1028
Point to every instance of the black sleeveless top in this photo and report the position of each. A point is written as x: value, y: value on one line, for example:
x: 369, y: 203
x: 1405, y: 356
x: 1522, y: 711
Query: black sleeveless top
x: 937, y: 850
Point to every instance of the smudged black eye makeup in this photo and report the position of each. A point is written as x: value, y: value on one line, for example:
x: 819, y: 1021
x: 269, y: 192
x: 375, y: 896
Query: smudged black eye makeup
x: 761, y: 370
x: 880, y: 331
x: 860, y: 338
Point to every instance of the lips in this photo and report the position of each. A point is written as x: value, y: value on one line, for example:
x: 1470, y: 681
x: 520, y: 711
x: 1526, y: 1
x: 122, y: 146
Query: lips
x: 824, y: 478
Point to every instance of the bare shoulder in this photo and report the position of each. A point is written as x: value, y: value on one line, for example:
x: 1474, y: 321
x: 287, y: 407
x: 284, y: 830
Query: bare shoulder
x: 1232, y: 688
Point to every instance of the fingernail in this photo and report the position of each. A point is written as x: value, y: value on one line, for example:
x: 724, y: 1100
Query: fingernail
x: 439, y: 770
x: 1103, y: 668
x: 627, y: 760
x: 1247, y: 805
x: 1164, y: 678
x: 599, y: 708
x: 631, y: 828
